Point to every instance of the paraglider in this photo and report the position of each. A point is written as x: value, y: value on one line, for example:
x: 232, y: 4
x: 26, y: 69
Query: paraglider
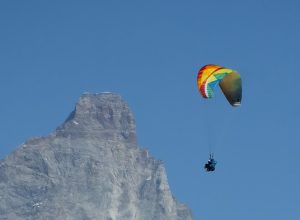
x: 229, y: 81
x: 211, y: 164
x: 231, y: 85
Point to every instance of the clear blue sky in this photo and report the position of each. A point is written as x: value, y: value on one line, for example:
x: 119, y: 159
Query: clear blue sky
x: 150, y: 52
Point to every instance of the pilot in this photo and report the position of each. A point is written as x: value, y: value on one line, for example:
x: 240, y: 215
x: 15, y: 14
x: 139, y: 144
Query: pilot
x: 211, y: 164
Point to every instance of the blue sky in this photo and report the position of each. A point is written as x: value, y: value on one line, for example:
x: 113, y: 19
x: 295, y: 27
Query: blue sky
x: 150, y: 52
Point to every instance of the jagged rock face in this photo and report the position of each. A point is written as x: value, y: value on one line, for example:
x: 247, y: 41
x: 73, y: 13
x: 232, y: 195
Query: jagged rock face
x: 89, y: 168
x: 101, y: 115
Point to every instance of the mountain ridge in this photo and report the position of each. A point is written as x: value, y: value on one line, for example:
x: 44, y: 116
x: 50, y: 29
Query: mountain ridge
x: 90, y: 167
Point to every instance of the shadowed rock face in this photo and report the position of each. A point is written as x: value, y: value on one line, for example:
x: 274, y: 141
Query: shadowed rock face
x: 89, y: 168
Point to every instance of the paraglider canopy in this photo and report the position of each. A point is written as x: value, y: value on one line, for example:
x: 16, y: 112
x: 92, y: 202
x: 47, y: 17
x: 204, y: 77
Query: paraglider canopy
x: 229, y: 81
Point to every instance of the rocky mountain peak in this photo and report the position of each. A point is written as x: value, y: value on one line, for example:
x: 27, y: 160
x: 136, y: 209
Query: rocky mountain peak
x: 100, y: 113
x: 90, y: 168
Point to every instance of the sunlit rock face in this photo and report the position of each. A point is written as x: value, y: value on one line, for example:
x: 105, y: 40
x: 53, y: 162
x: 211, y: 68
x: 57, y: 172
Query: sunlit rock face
x: 90, y: 168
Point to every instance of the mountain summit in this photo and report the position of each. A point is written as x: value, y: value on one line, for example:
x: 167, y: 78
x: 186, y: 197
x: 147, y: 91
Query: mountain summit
x: 89, y: 168
x: 103, y: 115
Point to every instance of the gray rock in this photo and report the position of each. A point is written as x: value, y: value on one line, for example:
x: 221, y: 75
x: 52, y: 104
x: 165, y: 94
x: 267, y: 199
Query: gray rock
x: 90, y: 167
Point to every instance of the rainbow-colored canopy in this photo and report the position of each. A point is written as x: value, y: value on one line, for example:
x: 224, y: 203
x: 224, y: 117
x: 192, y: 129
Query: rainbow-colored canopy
x: 229, y: 81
